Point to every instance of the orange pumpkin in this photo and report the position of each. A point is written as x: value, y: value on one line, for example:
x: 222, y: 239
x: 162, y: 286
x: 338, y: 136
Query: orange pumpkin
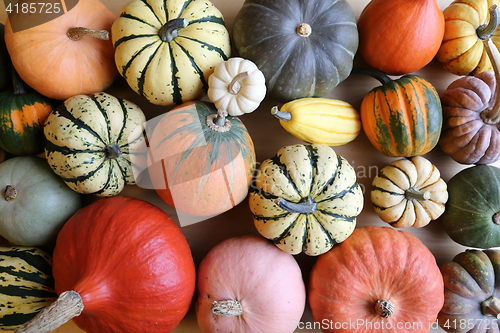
x: 400, y: 37
x: 51, y: 58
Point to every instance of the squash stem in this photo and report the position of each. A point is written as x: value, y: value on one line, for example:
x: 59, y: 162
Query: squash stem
x: 235, y: 86
x: 112, y: 151
x: 170, y: 30
x: 305, y: 206
x: 384, y: 308
x: 491, y: 115
x: 67, y: 306
x: 229, y: 308
x: 485, y: 31
x: 10, y: 193
x: 412, y: 193
x: 496, y: 218
x: 218, y: 122
x: 77, y: 33
x: 303, y: 30
x: 281, y: 115
x: 491, y: 307
x: 375, y: 73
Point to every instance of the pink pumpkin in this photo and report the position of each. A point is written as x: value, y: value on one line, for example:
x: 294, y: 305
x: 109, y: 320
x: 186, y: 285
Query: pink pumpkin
x: 248, y: 285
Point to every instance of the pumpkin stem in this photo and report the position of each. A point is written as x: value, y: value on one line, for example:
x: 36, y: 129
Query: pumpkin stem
x: 218, y: 122
x: 496, y: 218
x: 170, y: 30
x: 375, y: 73
x: 229, y: 308
x: 67, y: 306
x: 77, y: 33
x: 491, y: 307
x: 485, y: 31
x: 235, y: 85
x: 10, y: 193
x: 413, y: 193
x: 305, y: 206
x: 491, y: 115
x: 112, y: 151
x: 281, y: 115
x: 303, y: 30
x: 384, y: 308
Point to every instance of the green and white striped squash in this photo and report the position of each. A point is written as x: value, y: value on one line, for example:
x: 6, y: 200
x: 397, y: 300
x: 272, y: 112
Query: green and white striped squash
x: 306, y: 198
x: 90, y: 140
x: 166, y: 50
x: 26, y: 284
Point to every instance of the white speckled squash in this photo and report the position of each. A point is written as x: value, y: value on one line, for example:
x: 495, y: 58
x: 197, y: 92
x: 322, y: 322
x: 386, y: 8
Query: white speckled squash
x: 306, y: 198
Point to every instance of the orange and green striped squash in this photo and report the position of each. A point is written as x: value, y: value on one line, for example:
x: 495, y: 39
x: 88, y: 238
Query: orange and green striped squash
x: 402, y: 117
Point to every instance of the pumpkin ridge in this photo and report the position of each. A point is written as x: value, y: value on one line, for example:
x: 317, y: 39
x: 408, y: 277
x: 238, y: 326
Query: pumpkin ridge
x: 195, y: 66
x: 181, y: 11
x: 142, y: 78
x: 32, y: 259
x: 331, y: 180
x: 138, y: 19
x: 283, y: 170
x: 151, y: 9
x: 64, y: 113
x: 330, y: 240
x: 205, y: 19
x: 474, y: 265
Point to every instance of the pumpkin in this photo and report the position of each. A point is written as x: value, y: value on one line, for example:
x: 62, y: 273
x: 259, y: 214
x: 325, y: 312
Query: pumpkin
x: 167, y: 50
x: 467, y: 24
x: 34, y: 202
x: 90, y: 140
x: 409, y: 193
x: 65, y: 56
x: 471, y: 113
x: 236, y: 86
x: 319, y: 120
x: 228, y: 278
x: 379, y: 278
x: 202, y: 160
x: 398, y: 38
x: 150, y: 291
x: 27, y: 285
x: 303, y: 48
x: 305, y: 199
x: 472, y: 214
x: 471, y: 291
x: 22, y: 116
x: 402, y: 117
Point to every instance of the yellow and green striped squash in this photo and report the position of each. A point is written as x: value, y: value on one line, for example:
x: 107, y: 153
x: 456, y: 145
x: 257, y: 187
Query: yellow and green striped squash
x: 26, y: 284
x: 319, y: 120
x: 306, y: 199
x: 166, y: 50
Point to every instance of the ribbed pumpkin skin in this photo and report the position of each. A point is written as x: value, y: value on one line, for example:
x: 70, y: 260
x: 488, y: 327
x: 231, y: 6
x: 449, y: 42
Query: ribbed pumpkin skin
x: 403, y: 117
x: 296, y: 66
x: 471, y: 278
x: 89, y: 142
x: 470, y: 217
x: 176, y: 71
x: 129, y: 262
x: 376, y: 263
x: 196, y: 169
x: 296, y: 174
x: 27, y: 285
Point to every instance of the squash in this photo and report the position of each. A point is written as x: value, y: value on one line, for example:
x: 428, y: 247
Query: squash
x: 90, y: 140
x: 27, y: 284
x: 34, y: 202
x: 467, y: 24
x: 305, y: 198
x: 236, y: 86
x: 472, y: 213
x: 150, y: 291
x: 66, y: 56
x: 379, y: 278
x: 398, y: 38
x: 303, y: 48
x: 246, y: 285
x: 402, y: 117
x: 409, y: 193
x: 471, y: 114
x: 167, y: 50
x: 471, y: 291
x: 202, y: 160
x: 22, y: 116
x: 319, y: 120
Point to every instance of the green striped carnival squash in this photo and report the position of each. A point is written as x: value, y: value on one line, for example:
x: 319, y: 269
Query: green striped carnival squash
x: 166, y: 50
x: 26, y: 284
x: 90, y: 140
x: 22, y: 115
x: 402, y: 117
x: 306, y: 198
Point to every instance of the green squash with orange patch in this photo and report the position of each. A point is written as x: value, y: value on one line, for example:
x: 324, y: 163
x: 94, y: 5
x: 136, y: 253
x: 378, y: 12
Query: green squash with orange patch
x: 22, y: 115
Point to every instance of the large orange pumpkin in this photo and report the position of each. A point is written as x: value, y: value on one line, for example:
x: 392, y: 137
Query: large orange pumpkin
x: 379, y: 279
x: 52, y: 59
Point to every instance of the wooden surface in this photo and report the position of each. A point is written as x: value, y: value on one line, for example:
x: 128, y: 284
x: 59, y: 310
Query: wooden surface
x: 268, y: 137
